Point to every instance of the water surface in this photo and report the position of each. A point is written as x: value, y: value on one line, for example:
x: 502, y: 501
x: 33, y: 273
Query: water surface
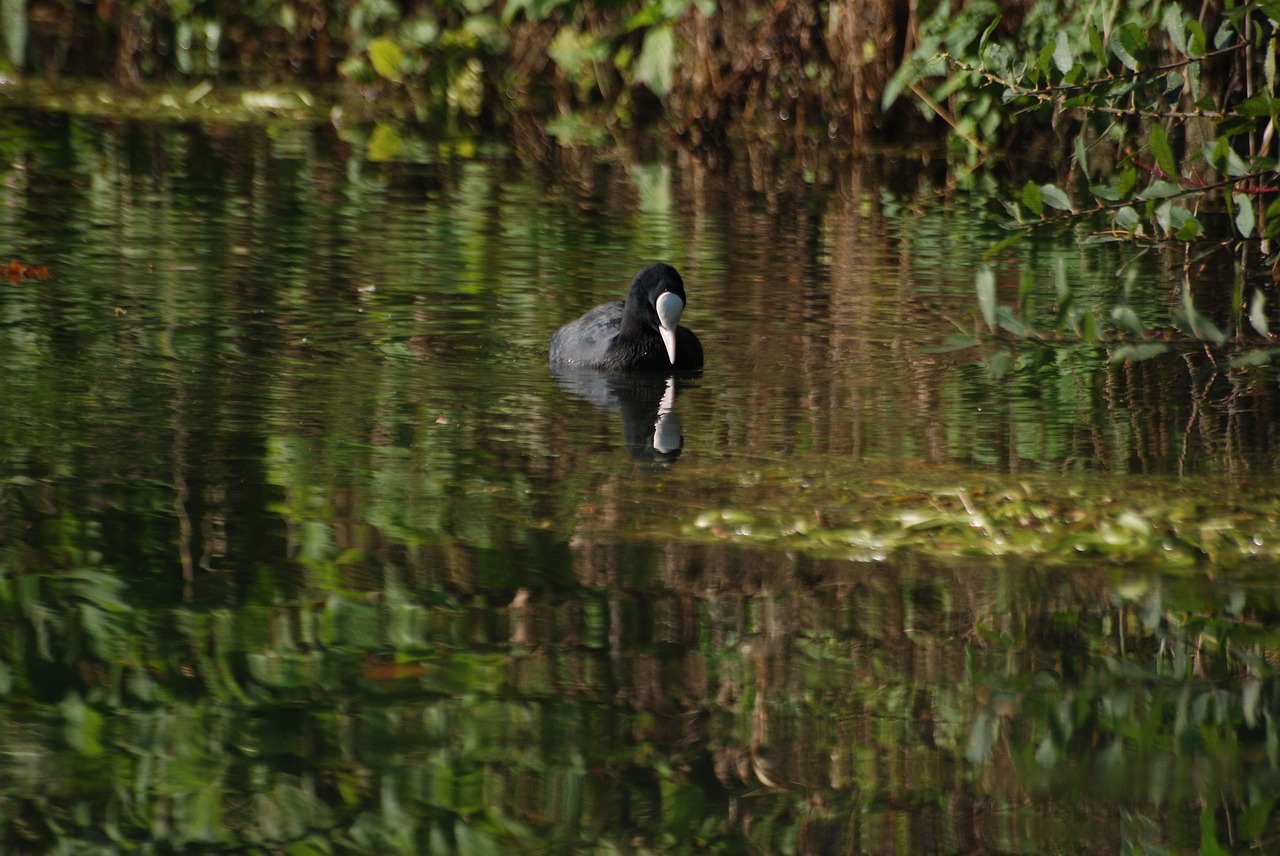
x: 303, y: 546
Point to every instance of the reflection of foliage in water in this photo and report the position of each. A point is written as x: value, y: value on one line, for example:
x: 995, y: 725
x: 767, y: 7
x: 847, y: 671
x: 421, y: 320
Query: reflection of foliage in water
x: 826, y: 698
x: 417, y: 601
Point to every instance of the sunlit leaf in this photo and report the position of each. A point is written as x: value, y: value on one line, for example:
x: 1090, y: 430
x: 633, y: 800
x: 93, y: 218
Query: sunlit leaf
x: 985, y: 282
x: 1126, y: 319
x: 1258, y: 312
x: 1244, y: 214
x: 386, y: 57
x: 654, y: 64
x: 1062, y: 55
x: 385, y: 144
x: 1054, y: 197
x: 1253, y: 359
x: 1269, y: 67
x: 1138, y: 353
x: 1175, y: 28
x: 1123, y: 53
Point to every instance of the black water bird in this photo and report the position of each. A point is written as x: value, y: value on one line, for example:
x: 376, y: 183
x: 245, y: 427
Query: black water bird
x: 642, y: 333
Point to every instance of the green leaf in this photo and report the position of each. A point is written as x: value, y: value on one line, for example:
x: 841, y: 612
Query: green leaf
x: 1160, y: 190
x: 1244, y: 214
x: 1127, y: 218
x: 1195, y: 44
x: 1163, y: 151
x: 1054, y: 197
x: 986, y: 34
x: 1127, y: 44
x: 1082, y: 156
x: 385, y: 144
x: 1033, y: 198
x: 985, y: 282
x: 1258, y: 312
x: 1088, y: 328
x: 1189, y: 229
x: 1126, y: 319
x: 1011, y: 323
x: 1209, y: 845
x: 654, y: 65
x: 1269, y: 67
x: 954, y: 342
x: 1252, y: 822
x: 1138, y: 353
x: 1192, y: 321
x: 1253, y: 359
x: 1175, y: 28
x: 1259, y: 106
x: 1096, y: 45
x: 1126, y: 181
x: 1003, y: 245
x: 386, y: 57
x: 1062, y: 56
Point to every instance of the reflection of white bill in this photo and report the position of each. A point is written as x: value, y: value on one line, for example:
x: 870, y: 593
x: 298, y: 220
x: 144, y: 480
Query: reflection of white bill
x: 666, y: 431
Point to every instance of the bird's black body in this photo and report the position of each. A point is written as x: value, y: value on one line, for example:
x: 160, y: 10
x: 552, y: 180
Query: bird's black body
x: 627, y: 336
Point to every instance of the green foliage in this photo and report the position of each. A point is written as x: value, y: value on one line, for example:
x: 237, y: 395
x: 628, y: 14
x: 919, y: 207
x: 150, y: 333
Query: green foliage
x: 1151, y: 146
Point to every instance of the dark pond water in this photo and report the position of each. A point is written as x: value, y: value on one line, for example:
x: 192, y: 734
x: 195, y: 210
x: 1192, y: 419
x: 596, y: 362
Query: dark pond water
x: 303, y: 548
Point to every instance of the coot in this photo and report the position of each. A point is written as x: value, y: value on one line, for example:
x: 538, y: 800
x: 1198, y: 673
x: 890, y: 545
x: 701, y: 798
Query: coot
x: 642, y: 333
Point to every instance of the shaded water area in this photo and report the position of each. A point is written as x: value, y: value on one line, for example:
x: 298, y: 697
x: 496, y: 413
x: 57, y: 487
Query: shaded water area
x: 303, y: 548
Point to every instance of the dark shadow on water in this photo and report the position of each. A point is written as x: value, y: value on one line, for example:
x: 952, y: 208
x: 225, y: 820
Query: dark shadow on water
x: 646, y: 402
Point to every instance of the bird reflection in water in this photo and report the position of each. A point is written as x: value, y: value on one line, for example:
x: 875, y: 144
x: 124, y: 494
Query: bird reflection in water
x: 646, y: 402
